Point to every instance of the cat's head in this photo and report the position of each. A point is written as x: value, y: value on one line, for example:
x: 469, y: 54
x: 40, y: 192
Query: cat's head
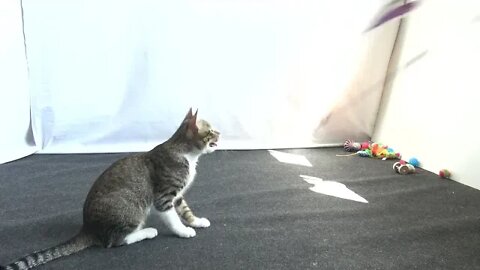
x: 198, y: 133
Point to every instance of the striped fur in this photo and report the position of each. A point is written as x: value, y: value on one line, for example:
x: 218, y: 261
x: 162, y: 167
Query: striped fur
x: 74, y: 245
x: 184, y: 211
x: 124, y: 195
x: 186, y: 214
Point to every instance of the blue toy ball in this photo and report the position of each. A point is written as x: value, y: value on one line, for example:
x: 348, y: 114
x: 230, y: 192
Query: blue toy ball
x: 414, y: 162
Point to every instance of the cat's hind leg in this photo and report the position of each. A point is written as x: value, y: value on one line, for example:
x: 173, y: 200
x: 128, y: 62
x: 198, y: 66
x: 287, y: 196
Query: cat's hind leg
x: 139, y: 235
x: 121, y: 224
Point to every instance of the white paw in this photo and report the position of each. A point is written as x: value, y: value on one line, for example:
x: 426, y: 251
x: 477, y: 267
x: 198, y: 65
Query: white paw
x: 200, y: 223
x: 186, y: 232
x: 137, y: 236
x: 150, y: 233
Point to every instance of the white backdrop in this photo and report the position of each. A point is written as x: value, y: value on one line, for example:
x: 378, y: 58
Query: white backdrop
x: 15, y: 134
x: 444, y: 84
x: 109, y: 76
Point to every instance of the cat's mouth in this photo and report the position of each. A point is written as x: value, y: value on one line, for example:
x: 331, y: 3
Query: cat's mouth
x: 214, y: 139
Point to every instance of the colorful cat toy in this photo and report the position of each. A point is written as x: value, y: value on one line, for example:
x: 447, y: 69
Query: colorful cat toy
x: 371, y: 149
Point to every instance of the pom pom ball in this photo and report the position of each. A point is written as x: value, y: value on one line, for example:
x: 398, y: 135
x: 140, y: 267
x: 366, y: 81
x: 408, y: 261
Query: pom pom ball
x: 351, y: 146
x: 444, y: 173
x: 365, y: 145
x: 414, y: 162
x: 364, y: 153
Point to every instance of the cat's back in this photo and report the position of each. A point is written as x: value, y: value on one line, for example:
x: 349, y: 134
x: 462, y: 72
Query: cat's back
x: 132, y: 166
x: 129, y: 171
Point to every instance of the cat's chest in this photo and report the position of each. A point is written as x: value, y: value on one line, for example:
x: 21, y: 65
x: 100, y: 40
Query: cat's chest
x: 192, y: 171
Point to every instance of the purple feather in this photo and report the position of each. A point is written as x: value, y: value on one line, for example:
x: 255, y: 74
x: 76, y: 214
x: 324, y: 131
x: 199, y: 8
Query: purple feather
x: 394, y: 13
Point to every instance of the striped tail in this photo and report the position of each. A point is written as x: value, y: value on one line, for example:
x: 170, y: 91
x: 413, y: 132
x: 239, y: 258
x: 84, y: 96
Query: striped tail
x: 74, y: 245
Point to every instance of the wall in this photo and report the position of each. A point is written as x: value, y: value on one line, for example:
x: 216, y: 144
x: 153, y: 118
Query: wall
x: 15, y: 136
x: 430, y: 107
x: 262, y: 72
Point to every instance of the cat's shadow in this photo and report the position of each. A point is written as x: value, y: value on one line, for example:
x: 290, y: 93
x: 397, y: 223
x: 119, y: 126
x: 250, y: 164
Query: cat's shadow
x: 62, y: 227
x: 37, y: 233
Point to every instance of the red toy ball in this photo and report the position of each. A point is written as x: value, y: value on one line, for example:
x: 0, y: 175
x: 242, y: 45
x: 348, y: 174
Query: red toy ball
x: 444, y: 173
x: 365, y: 145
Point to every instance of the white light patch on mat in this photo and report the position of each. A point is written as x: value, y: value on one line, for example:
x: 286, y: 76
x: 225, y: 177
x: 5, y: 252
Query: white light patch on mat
x: 332, y: 188
x: 290, y: 158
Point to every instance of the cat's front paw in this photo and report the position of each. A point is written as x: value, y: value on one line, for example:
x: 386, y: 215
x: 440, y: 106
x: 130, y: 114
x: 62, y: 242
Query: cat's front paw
x: 200, y: 223
x: 150, y: 233
x: 185, y: 232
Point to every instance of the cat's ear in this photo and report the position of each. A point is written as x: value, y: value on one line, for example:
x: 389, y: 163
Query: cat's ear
x: 192, y: 122
x: 189, y: 115
x: 195, y: 115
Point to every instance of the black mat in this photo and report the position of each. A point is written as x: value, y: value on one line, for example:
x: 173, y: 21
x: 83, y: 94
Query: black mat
x: 263, y: 216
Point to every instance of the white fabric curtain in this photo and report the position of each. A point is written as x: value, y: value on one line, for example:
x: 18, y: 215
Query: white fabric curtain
x: 15, y: 135
x: 115, y: 76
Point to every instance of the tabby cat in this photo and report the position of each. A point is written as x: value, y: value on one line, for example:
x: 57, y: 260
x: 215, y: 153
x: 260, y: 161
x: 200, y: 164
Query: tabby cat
x: 133, y: 188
